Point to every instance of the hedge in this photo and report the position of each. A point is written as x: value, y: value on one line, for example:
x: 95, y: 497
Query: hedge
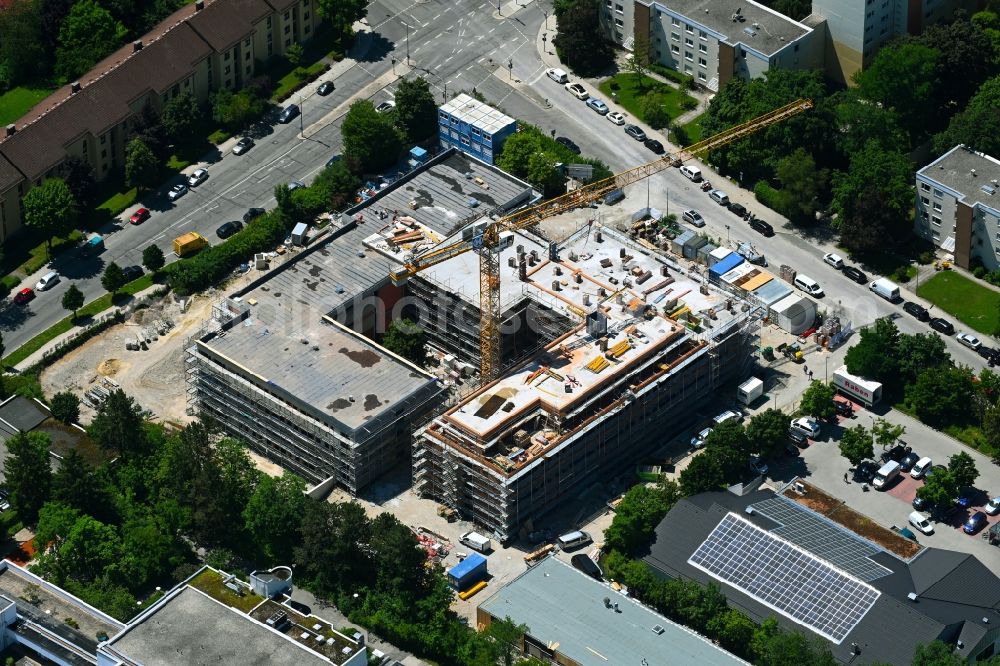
x: 770, y: 197
x: 214, y: 263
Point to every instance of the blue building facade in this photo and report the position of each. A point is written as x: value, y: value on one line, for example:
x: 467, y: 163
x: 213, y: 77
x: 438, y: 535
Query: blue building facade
x: 474, y: 128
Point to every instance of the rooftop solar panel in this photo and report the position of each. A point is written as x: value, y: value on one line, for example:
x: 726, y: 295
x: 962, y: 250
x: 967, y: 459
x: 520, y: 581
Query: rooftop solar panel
x: 784, y: 577
x: 824, y: 538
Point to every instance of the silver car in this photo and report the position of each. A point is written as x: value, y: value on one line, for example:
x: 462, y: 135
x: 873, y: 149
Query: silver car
x: 693, y: 218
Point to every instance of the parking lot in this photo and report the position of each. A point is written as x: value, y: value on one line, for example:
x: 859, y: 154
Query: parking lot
x: 822, y: 464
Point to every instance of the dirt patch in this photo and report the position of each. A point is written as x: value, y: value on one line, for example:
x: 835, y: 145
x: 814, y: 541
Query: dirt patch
x: 154, y: 377
x: 837, y: 511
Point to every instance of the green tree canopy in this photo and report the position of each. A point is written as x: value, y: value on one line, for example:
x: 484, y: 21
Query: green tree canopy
x: 22, y: 50
x: 50, y: 208
x: 856, y: 445
x: 334, y: 553
x: 977, y: 125
x: 141, y: 166
x: 877, y: 184
x: 858, y: 121
x: 703, y: 474
x: 768, y: 433
x: 919, y: 352
x: 72, y: 299
x: 942, y: 396
x: 802, y: 185
x: 80, y: 179
x: 874, y: 356
x: 580, y: 41
x: 963, y: 469
x: 903, y: 78
x: 66, y: 407
x: 28, y: 473
x: 416, y: 112
x: 76, y: 485
x: 237, y: 110
x: 886, y: 434
x: 817, y: 400
x: 338, y: 185
x: 637, y: 515
x: 342, y: 14
x: 940, y: 489
x: 273, y: 515
x: 371, y: 142
x: 113, y: 278
x: 88, y: 33
x: 406, y: 339
x: 118, y: 426
x: 181, y: 117
x: 152, y: 258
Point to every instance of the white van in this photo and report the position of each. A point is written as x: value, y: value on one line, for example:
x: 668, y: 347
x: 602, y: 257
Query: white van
x: 47, y: 281
x: 918, y: 470
x: 886, y: 474
x: 692, y: 173
x: 808, y: 285
x: 476, y: 541
x: 887, y: 290
x: 573, y: 540
x: 557, y: 75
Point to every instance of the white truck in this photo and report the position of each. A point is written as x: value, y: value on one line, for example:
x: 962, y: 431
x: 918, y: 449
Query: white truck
x: 886, y: 289
x: 749, y: 390
x: 863, y: 390
x: 476, y: 541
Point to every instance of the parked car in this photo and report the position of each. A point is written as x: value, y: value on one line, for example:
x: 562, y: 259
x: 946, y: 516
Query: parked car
x: 47, y: 281
x: 807, y: 426
x: 967, y: 497
x: 855, y: 274
x: 333, y: 160
x: 737, y: 208
x: 598, y: 105
x: 916, y: 310
x: 942, y: 325
x: 565, y: 141
x: 578, y: 91
x: 385, y: 107
x: 133, y: 272
x: 616, y: 118
x: 698, y: 440
x: 798, y: 438
x: 762, y: 227
x: 693, y: 217
x: 843, y: 408
x: 557, y: 75
x: 896, y: 453
x: 921, y: 467
x: 243, y: 145
x: 975, y: 522
x: 635, y: 132
x: 757, y: 465
x: 325, y: 88
x: 969, y: 340
x: 865, y: 471
x: 252, y: 213
x: 920, y: 504
x: 909, y: 460
x: 177, y: 191
x: 24, y: 296
x: 834, y: 260
x: 295, y: 185
x: 986, y: 352
x: 139, y: 216
x: 654, y: 146
x: 197, y: 177
x: 727, y: 415
x: 993, y: 506
x: 288, y: 113
x: 228, y: 229
x: 921, y: 522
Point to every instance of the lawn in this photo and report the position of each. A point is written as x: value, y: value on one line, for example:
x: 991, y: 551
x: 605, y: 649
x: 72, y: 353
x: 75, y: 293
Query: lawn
x: 693, y: 130
x: 17, y: 102
x: 971, y: 303
x: 632, y: 90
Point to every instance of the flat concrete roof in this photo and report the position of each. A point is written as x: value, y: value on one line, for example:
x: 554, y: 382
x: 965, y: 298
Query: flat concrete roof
x: 22, y: 413
x: 470, y: 110
x: 564, y: 607
x: 954, y: 170
x: 772, y: 33
x: 192, y: 628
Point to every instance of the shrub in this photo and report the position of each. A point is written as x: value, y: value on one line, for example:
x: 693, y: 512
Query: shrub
x: 769, y: 196
x: 689, y: 103
x: 925, y: 257
x: 614, y: 85
x: 979, y: 272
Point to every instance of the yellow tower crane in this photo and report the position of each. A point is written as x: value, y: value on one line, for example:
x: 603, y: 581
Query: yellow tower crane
x: 488, y: 239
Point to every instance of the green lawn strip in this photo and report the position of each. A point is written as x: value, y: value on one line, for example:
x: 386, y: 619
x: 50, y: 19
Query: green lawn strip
x: 287, y: 83
x: 632, y: 91
x: 669, y: 73
x: 694, y: 131
x: 18, y: 101
x: 91, y: 309
x: 972, y: 304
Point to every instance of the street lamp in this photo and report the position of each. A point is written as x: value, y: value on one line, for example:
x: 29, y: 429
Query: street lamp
x: 302, y: 113
x: 727, y: 234
x: 546, y: 15
x: 389, y: 17
x: 394, y: 66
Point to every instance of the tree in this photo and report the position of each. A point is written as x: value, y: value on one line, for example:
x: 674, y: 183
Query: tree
x: 118, y: 426
x: 23, y: 56
x: 371, y: 142
x: 916, y: 353
x: 147, y: 127
x: 416, y: 113
x: 79, y: 178
x: 977, y: 125
x: 936, y: 653
x: 876, y: 184
x: 507, y: 637
x: 273, y: 515
x: 72, y: 300
x: 654, y: 111
x: 942, y: 396
x: 886, y: 434
x: 50, y: 208
x: 638, y: 62
x: 802, y: 184
x: 903, y: 78
x: 772, y: 646
x: 940, y: 489
x: 152, y: 258
x: 28, y: 473
x: 66, y: 407
x: 294, y: 53
x: 856, y: 445
x: 733, y: 629
x: 181, y: 117
x: 400, y: 564
x: 858, y: 121
x: 406, y: 339
x: 236, y: 110
x: 338, y: 185
x: 113, y: 278
x: 334, y: 553
x: 342, y: 14
x: 88, y: 548
x: 55, y: 520
x: 817, y: 400
x: 141, y: 166
x: 637, y: 515
x: 768, y: 433
x: 963, y: 63
x: 874, y: 356
x: 75, y: 485
x: 991, y: 431
x: 87, y: 34
x: 963, y: 469
x: 580, y: 41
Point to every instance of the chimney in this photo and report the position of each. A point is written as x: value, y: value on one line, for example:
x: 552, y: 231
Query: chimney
x: 199, y: 5
x: 74, y: 87
x: 11, y: 129
x: 136, y: 46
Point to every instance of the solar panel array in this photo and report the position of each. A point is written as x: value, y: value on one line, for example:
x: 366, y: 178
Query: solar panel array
x: 824, y: 538
x: 784, y: 577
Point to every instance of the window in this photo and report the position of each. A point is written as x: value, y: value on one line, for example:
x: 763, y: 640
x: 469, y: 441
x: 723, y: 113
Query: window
x: 225, y: 56
x: 688, y: 41
x: 937, y: 206
x: 229, y: 83
x: 288, y: 42
x: 228, y: 69
x: 702, y: 34
x: 689, y: 58
x: 104, y: 139
x: 935, y: 220
x: 305, y: 16
x: 84, y: 146
x: 674, y: 21
x: 701, y: 76
x: 465, y: 141
x: 288, y: 29
x: 104, y: 154
x: 702, y: 62
x: 674, y: 36
x: 619, y: 23
x: 703, y: 48
x: 925, y: 187
x: 687, y: 68
x: 287, y: 15
x: 674, y: 48
x: 246, y: 42
x: 307, y: 29
x: 607, y: 4
x: 268, y: 21
x: 619, y: 8
x: 270, y: 49
x: 925, y: 201
x: 187, y: 83
x: 176, y: 90
x: 689, y: 29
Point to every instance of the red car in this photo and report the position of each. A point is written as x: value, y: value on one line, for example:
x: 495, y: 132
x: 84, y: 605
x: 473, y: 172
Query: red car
x: 23, y: 296
x: 139, y: 216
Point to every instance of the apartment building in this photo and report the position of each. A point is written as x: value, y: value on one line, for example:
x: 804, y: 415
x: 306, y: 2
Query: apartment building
x: 714, y: 40
x: 201, y: 48
x: 958, y: 206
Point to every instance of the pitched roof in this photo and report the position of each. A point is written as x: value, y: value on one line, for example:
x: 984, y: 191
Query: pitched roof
x: 9, y: 175
x: 224, y: 22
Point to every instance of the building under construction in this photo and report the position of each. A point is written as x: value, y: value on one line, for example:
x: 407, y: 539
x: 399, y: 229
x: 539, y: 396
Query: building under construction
x: 651, y: 343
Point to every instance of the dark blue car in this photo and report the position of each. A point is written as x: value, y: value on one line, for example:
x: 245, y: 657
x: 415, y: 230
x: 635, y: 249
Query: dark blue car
x: 976, y: 522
